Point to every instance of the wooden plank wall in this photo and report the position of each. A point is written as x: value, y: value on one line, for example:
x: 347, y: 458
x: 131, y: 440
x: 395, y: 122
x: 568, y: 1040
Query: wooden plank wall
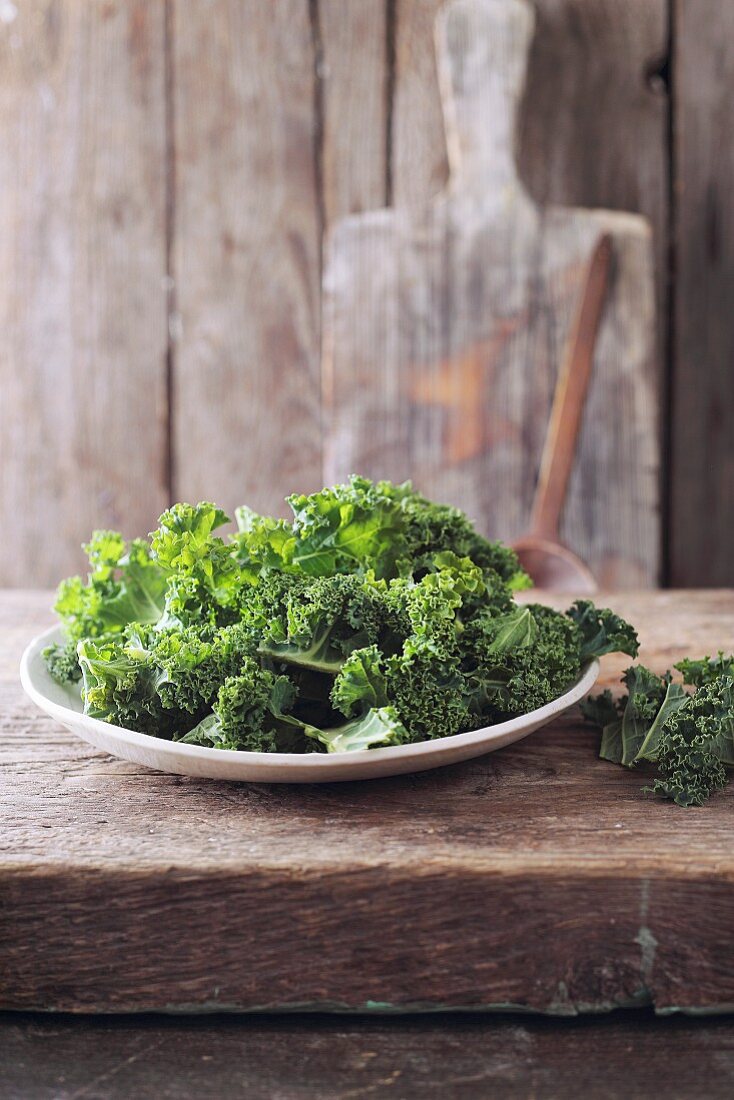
x: 169, y: 170
x: 83, y: 341
x: 246, y: 233
x: 702, y: 426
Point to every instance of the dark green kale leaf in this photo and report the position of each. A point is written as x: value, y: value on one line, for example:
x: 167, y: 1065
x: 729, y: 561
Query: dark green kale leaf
x: 689, y: 773
x: 321, y: 621
x: 435, y: 528
x: 426, y: 686
x: 697, y: 745
x: 632, y: 726
x: 706, y: 670
x: 503, y: 682
x: 649, y: 700
x: 602, y: 631
x: 192, y: 663
x: 690, y: 738
x: 709, y: 712
x: 250, y: 714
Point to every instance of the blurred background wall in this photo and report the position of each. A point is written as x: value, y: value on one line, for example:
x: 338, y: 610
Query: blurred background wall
x: 168, y: 171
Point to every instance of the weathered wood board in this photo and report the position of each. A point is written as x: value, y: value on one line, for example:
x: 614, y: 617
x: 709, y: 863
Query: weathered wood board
x: 131, y: 135
x: 245, y: 253
x: 467, y: 1057
x: 538, y: 877
x: 83, y: 325
x: 419, y: 163
x: 593, y: 125
x: 702, y: 462
x: 352, y: 65
x: 444, y: 327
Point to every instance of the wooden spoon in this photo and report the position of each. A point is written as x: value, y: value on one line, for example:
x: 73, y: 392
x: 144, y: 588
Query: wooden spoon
x: 542, y: 554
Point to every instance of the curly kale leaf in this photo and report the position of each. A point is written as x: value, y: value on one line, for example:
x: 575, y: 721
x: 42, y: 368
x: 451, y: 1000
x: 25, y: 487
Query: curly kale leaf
x: 62, y: 662
x: 141, y: 593
x: 124, y: 585
x: 183, y: 541
x: 360, y: 684
x: 689, y: 772
x: 262, y: 544
x: 632, y: 726
x: 706, y: 670
x: 192, y: 664
x: 250, y: 713
x: 427, y: 611
x: 419, y: 673
x: 156, y: 680
x: 649, y: 701
x: 690, y: 738
x: 426, y: 687
x: 320, y: 621
x: 357, y: 526
x: 434, y: 528
x: 602, y: 631
x: 697, y: 745
x: 503, y: 680
x: 205, y: 577
x: 387, y: 529
x: 119, y: 686
x: 709, y: 713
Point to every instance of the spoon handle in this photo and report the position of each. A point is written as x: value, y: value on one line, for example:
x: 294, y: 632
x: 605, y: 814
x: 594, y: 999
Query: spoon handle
x: 570, y: 395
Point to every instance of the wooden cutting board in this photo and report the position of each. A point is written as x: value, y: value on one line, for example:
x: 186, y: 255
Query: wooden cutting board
x: 444, y: 327
x: 538, y: 877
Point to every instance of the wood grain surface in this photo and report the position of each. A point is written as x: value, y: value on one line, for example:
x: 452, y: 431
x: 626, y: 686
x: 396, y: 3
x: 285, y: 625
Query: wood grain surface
x: 703, y: 394
x: 594, y: 122
x: 321, y: 1058
x: 445, y: 325
x: 245, y: 260
x: 170, y: 169
x: 419, y: 162
x: 538, y: 877
x: 353, y: 68
x: 83, y: 330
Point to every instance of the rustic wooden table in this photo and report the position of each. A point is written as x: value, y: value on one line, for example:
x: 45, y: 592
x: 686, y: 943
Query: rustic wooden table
x: 538, y: 878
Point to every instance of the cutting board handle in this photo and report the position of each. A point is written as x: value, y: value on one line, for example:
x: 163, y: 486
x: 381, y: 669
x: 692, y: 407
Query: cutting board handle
x: 482, y: 48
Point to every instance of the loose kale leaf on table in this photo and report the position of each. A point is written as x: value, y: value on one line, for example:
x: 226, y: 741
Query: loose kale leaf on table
x: 687, y: 736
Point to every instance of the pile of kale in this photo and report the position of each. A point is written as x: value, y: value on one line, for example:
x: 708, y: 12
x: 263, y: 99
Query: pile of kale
x: 374, y: 618
x: 688, y: 737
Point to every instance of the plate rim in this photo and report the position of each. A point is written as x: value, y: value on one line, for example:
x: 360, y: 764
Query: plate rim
x: 307, y: 762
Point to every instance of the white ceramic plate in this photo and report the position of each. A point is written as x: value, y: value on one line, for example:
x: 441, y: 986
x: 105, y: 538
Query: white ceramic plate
x: 64, y: 704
